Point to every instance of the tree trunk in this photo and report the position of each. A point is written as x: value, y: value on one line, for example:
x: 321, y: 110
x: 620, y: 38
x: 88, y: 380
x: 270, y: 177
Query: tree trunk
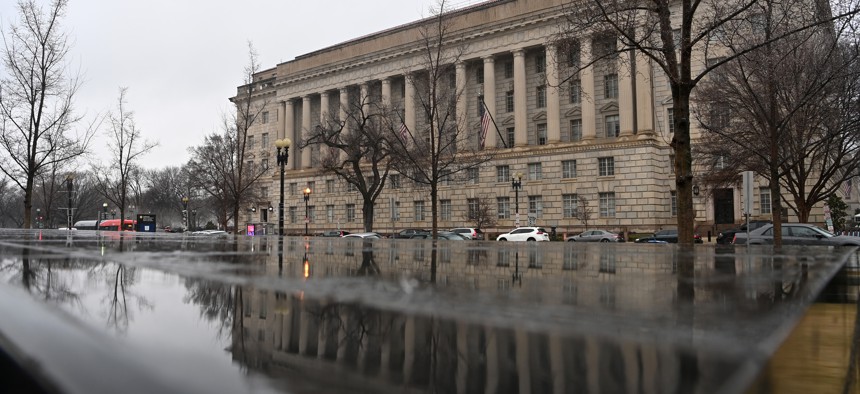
x: 683, y: 164
x: 367, y: 212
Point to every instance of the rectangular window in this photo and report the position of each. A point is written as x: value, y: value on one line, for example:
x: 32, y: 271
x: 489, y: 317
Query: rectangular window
x: 764, y: 200
x: 293, y: 188
x: 575, y: 130
x: 264, y: 164
x: 509, y: 101
x: 613, y: 126
x: 250, y: 142
x: 265, y: 142
x: 445, y: 209
x: 350, y: 212
x: 607, y: 205
x: 509, y: 69
x: 419, y: 210
x: 312, y: 214
x: 329, y: 213
x: 674, y: 207
x: 265, y: 117
x: 479, y: 74
x: 568, y: 169
x: 329, y: 186
x: 535, y: 172
x: 503, y: 173
x: 671, y: 164
x: 575, y: 91
x: 292, y: 214
x: 395, y: 210
x: 503, y: 207
x: 395, y: 181
x: 350, y: 187
x: 568, y: 203
x: 480, y: 107
x: 473, y: 208
x: 540, y: 96
x: 311, y: 186
x: 670, y: 120
x: 472, y: 175
x: 610, y: 86
x: 606, y: 166
x: 573, y: 56
x: 536, y: 206
x: 541, y: 134
x: 540, y: 63
x: 510, y: 132
x: 264, y: 192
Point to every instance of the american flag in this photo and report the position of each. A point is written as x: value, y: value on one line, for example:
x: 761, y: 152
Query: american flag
x: 485, y: 125
x: 846, y: 188
x: 403, y: 131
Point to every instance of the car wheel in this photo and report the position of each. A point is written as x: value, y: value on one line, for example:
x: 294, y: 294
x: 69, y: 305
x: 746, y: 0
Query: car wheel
x: 530, y: 240
x: 604, y: 240
x: 502, y: 239
x: 571, y: 240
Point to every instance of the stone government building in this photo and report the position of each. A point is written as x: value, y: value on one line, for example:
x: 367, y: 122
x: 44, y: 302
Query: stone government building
x: 603, y: 134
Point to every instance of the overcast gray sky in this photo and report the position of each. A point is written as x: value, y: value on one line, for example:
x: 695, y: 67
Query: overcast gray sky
x: 182, y: 59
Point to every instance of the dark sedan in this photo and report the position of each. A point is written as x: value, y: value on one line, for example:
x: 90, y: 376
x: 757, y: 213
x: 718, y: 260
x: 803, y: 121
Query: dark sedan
x: 668, y: 236
x: 796, y: 234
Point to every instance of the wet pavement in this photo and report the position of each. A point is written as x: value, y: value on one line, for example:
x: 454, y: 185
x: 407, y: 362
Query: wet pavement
x: 135, y: 312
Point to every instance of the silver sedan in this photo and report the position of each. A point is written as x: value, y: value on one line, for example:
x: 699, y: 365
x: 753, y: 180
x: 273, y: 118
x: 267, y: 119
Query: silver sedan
x: 796, y: 234
x: 594, y: 236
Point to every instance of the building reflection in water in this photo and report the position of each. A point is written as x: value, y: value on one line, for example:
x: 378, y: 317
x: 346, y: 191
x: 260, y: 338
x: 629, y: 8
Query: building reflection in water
x: 610, y: 320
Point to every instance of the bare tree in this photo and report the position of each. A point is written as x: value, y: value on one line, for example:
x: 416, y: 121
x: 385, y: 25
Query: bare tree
x: 440, y: 147
x: 583, y: 211
x: 127, y: 145
x: 212, y: 169
x: 236, y: 174
x: 482, y: 214
x: 679, y: 38
x: 163, y: 192
x: 36, y: 99
x: 788, y: 112
x: 357, y: 150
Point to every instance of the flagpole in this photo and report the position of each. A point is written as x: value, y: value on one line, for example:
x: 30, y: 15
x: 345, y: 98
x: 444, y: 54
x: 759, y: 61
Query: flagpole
x: 499, y: 133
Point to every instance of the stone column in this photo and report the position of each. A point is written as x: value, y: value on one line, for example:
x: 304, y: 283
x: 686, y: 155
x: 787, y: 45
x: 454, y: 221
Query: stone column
x: 586, y: 77
x: 644, y: 98
x: 365, y: 99
x: 464, y: 125
x: 521, y: 122
x: 324, y: 106
x: 626, y: 100
x: 386, y: 93
x: 306, y: 130
x: 553, y: 112
x: 490, y: 100
x: 409, y: 104
x: 282, y: 131
x: 290, y: 132
x: 344, y: 116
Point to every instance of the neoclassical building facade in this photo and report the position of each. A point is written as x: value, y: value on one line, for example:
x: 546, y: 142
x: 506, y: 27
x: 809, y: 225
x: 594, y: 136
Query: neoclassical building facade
x: 601, y: 131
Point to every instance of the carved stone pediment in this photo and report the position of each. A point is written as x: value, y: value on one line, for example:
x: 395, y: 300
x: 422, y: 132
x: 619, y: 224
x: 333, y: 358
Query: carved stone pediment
x: 509, y: 121
x: 574, y: 113
x: 611, y: 107
x: 540, y: 116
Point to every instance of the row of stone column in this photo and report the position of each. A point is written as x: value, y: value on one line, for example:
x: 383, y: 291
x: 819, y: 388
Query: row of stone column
x: 635, y: 99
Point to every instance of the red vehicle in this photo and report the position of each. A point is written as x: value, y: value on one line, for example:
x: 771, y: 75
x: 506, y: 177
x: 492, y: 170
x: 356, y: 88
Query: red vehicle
x: 113, y: 225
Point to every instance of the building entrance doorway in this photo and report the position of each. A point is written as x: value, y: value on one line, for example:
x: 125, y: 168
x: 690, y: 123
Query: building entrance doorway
x: 724, y: 206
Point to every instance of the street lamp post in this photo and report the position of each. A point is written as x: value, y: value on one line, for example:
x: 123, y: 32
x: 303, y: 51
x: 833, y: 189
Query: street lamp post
x: 517, y: 184
x: 38, y: 217
x: 102, y: 215
x: 193, y: 219
x: 185, y: 212
x: 69, y: 211
x: 307, y: 197
x: 283, y: 147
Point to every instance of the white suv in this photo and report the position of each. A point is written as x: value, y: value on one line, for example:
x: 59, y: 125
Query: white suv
x: 525, y: 234
x: 468, y: 232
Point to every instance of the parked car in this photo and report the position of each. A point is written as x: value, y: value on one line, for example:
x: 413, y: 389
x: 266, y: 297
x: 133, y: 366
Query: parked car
x: 469, y: 232
x: 335, y: 233
x: 796, y: 234
x: 370, y: 235
x: 209, y: 232
x: 525, y: 234
x: 595, y: 236
x: 441, y: 235
x: 725, y: 237
x: 669, y: 236
x: 409, y: 232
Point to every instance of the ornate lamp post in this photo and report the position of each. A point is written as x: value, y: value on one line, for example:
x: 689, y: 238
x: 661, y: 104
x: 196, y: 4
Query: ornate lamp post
x: 307, y: 197
x: 102, y: 215
x: 283, y: 147
x: 185, y: 212
x: 69, y: 179
x: 517, y: 184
